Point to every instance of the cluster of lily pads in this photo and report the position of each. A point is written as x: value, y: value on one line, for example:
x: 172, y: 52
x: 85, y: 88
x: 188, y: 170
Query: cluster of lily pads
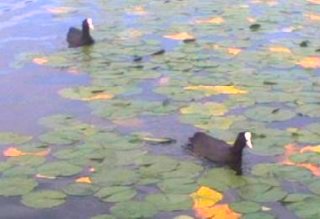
x: 259, y: 86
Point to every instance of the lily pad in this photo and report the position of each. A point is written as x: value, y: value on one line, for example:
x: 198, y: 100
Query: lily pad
x: 80, y: 189
x: 269, y: 114
x: 169, y: 202
x: 266, y: 193
x: 59, y: 168
x: 43, y: 199
x: 13, y: 138
x: 245, y: 207
x: 13, y: 186
x: 116, y: 193
x: 133, y: 209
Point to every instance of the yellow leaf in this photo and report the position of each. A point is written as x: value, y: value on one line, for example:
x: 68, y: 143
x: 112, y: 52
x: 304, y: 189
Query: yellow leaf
x: 84, y: 179
x: 310, y: 149
x: 228, y: 89
x: 15, y: 152
x: 221, y: 211
x: 310, y: 62
x: 40, y: 176
x: 205, y: 197
x: 314, y: 1
x: 234, y: 51
x: 138, y: 10
x: 40, y: 60
x: 313, y: 17
x: 60, y: 10
x: 213, y: 20
x: 100, y: 96
x: 179, y: 36
x: 209, y: 108
x: 251, y: 20
x: 279, y: 49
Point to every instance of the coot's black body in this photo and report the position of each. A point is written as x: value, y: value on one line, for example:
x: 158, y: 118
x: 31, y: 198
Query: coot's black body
x: 219, y: 151
x: 77, y: 38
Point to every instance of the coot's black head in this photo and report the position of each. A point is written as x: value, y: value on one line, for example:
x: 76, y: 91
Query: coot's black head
x: 87, y: 24
x: 243, y: 139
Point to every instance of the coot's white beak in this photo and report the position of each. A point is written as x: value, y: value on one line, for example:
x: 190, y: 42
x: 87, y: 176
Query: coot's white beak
x: 90, y: 23
x: 247, y: 136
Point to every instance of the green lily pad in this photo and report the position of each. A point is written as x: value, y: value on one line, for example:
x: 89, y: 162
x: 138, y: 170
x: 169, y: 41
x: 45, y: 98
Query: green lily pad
x: 178, y: 186
x: 284, y: 172
x: 269, y: 114
x: 19, y: 171
x: 260, y: 215
x: 169, y: 202
x: 115, y: 176
x: 80, y: 189
x: 221, y: 179
x: 103, y: 216
x: 43, y: 199
x: 315, y: 187
x: 13, y: 138
x: 59, y: 168
x: 308, y: 208
x: 245, y: 207
x: 133, y: 209
x: 296, y: 197
x: 116, y: 193
x: 13, y: 186
x: 266, y: 193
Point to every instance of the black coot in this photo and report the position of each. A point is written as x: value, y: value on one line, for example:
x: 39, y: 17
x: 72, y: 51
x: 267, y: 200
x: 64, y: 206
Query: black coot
x: 219, y: 151
x: 77, y: 38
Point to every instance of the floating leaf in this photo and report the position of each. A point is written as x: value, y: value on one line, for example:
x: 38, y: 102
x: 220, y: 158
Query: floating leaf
x: 266, y: 193
x: 179, y: 36
x: 205, y: 197
x: 245, y: 207
x: 213, y: 20
x: 217, y: 211
x: 13, y: 138
x: 84, y: 179
x: 59, y: 168
x: 269, y: 114
x: 15, y: 152
x: 297, y: 197
x: 169, y: 202
x: 311, y: 62
x: 86, y: 93
x: 116, y: 193
x: 40, y: 60
x: 234, y: 51
x: 103, y: 216
x: 43, y: 199
x: 260, y: 215
x: 310, y: 149
x: 212, y: 90
x: 279, y: 49
x: 60, y: 10
x: 13, y: 186
x: 133, y: 209
x: 209, y: 108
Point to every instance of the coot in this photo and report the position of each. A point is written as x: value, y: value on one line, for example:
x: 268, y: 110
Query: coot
x: 77, y: 38
x: 219, y: 151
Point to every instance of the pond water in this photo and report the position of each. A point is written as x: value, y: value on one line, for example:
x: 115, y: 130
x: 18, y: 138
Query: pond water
x: 86, y: 132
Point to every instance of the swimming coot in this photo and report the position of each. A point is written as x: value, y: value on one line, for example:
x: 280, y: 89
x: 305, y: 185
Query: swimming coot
x: 219, y: 151
x: 77, y: 38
